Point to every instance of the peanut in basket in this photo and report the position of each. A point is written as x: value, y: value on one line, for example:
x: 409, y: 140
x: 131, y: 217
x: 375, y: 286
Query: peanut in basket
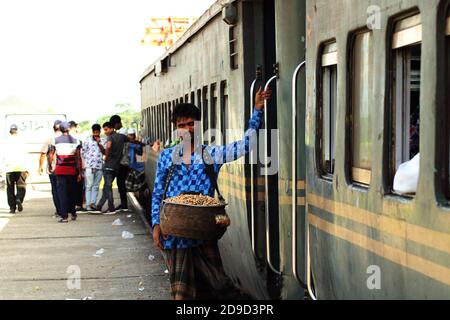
x: 195, y: 200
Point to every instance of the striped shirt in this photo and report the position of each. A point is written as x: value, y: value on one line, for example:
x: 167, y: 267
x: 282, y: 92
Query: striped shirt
x: 66, y: 148
x: 50, y: 145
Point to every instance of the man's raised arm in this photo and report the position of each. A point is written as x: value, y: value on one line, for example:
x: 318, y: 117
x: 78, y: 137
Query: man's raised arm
x: 237, y: 149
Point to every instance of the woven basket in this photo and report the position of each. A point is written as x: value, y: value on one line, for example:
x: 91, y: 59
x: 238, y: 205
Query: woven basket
x: 190, y: 221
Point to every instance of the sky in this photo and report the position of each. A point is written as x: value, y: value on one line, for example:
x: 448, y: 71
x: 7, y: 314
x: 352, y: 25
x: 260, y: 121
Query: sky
x: 80, y: 57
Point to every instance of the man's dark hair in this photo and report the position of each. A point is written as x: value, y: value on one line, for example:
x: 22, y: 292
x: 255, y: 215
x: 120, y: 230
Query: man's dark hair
x: 96, y: 127
x: 115, y: 119
x: 72, y: 124
x: 185, y: 110
x: 108, y: 124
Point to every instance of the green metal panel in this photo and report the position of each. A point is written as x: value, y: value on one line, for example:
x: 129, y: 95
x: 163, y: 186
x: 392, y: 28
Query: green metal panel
x: 290, y: 46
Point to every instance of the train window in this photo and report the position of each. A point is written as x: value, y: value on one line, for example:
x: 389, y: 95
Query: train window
x: 205, y: 113
x: 406, y: 65
x: 157, y: 136
x: 155, y: 122
x: 199, y: 99
x: 166, y: 121
x: 192, y: 97
x: 175, y: 103
x: 161, y: 122
x: 199, y: 106
x: 362, y: 76
x: 186, y: 98
x: 165, y: 127
x: 223, y: 110
x: 328, y: 107
x: 152, y: 122
x: 233, y: 48
x: 143, y: 121
x: 158, y: 122
x: 169, y: 123
x: 213, y: 108
x: 147, y: 122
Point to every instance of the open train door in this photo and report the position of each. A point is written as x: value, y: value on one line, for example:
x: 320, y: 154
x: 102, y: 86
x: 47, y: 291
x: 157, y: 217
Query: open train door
x: 262, y: 72
x: 278, y: 207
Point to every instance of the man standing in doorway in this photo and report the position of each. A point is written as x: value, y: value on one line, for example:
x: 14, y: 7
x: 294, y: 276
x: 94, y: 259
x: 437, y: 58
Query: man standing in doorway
x: 15, y: 168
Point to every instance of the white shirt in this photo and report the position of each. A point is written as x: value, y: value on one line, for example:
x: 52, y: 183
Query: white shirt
x: 15, y: 154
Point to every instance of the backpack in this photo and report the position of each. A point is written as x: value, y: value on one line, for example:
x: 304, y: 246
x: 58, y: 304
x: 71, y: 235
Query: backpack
x: 135, y: 181
x: 125, y: 160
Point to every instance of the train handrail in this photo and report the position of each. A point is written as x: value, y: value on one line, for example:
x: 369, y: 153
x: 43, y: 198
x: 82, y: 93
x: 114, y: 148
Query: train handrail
x: 266, y: 187
x: 252, y: 188
x: 308, y: 260
x: 294, y: 169
x: 258, y: 76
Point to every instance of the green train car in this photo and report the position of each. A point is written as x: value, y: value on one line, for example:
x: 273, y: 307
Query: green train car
x: 378, y: 69
x: 360, y: 87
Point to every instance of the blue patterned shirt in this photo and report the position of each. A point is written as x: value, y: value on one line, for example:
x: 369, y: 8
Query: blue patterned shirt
x: 194, y: 178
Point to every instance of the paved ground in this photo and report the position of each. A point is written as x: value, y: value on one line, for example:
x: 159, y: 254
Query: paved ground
x: 40, y: 258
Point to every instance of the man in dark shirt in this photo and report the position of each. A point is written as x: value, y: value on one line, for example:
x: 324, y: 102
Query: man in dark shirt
x: 113, y: 154
x: 123, y: 169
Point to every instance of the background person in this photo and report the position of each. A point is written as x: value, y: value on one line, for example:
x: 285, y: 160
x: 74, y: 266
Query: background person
x: 45, y: 154
x: 68, y: 170
x: 134, y: 150
x: 79, y: 190
x: 92, y: 154
x: 123, y: 169
x: 113, y: 154
x: 16, y: 169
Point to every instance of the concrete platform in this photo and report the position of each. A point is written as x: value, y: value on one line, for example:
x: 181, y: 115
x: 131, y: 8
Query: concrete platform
x: 43, y: 259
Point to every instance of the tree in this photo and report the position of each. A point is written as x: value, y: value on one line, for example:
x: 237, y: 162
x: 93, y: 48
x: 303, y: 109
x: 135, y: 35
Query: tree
x: 85, y: 125
x: 130, y: 117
